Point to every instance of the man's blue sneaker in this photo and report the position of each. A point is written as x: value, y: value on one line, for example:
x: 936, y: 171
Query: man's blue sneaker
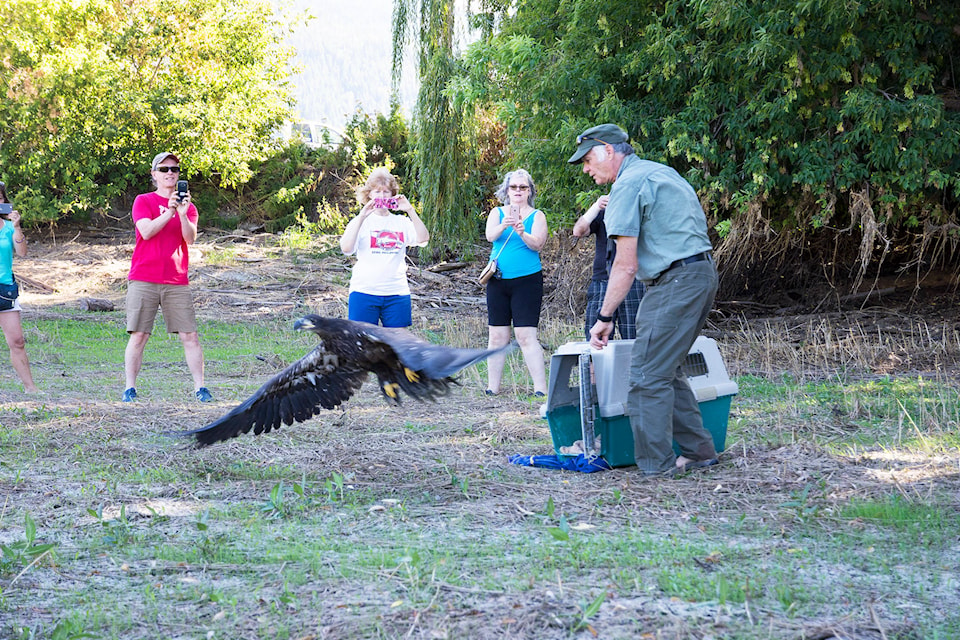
x: 203, y: 395
x: 129, y: 394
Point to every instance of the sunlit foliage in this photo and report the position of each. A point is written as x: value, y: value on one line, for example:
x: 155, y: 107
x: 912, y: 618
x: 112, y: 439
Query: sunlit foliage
x: 94, y: 88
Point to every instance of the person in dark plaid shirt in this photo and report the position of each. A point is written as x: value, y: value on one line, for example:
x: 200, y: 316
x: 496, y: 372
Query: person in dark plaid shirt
x: 625, y: 317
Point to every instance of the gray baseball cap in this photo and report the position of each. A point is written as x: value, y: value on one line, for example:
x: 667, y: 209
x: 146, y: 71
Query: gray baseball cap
x: 594, y: 136
x: 160, y: 157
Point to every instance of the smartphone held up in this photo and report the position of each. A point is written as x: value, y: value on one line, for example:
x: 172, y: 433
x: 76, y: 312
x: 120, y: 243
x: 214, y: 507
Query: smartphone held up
x: 386, y: 203
x: 183, y: 189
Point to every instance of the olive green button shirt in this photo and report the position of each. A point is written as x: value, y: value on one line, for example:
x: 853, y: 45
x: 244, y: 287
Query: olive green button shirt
x: 655, y: 204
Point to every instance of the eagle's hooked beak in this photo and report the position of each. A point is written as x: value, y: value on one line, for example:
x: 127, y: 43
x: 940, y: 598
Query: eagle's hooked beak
x: 303, y: 324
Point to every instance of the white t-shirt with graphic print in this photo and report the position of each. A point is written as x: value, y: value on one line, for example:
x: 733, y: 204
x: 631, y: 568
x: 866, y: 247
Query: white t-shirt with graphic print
x: 381, y: 268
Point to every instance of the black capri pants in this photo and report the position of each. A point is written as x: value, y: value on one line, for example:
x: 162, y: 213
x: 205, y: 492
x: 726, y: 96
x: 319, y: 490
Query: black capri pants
x: 516, y: 300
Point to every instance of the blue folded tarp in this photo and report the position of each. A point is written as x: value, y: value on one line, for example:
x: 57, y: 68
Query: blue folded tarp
x: 579, y: 463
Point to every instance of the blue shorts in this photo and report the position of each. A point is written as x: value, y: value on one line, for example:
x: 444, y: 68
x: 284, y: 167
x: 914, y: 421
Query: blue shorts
x: 394, y: 311
x: 515, y: 300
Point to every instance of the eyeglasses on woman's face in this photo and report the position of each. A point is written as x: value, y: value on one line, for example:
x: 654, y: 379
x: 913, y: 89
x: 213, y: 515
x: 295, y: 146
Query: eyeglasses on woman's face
x: 168, y: 169
x: 519, y: 187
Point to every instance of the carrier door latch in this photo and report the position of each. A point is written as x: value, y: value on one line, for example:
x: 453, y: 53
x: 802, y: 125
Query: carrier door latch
x: 587, y: 403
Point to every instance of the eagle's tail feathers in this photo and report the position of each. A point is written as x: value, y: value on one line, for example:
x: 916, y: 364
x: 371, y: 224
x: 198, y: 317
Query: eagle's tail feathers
x: 454, y: 360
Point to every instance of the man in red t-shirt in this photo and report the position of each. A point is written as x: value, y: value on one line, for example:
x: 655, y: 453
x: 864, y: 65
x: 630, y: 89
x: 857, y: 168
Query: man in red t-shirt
x: 165, y: 226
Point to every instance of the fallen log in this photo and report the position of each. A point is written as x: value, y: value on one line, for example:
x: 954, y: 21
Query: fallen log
x: 447, y: 266
x: 429, y: 276
x: 95, y: 304
x: 864, y: 295
x: 35, y: 284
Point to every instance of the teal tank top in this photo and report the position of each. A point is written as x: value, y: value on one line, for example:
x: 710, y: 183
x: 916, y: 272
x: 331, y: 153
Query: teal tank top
x: 516, y: 259
x: 6, y: 253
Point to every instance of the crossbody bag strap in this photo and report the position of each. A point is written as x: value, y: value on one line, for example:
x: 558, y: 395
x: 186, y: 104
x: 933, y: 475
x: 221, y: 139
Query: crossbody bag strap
x: 504, y: 245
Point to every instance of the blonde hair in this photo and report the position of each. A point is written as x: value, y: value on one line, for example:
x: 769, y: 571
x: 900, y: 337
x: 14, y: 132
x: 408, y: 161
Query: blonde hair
x: 379, y: 177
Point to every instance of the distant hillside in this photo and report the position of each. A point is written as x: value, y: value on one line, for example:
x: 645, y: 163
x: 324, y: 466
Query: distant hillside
x: 345, y: 55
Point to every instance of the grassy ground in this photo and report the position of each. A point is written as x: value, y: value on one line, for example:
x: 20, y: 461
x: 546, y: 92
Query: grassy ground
x: 834, y: 513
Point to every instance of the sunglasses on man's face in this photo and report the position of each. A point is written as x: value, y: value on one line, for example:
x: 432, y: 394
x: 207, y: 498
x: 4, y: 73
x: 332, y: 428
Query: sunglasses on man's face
x: 168, y: 169
x: 581, y: 138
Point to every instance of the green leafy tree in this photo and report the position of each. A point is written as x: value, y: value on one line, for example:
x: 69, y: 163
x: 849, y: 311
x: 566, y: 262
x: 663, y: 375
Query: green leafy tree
x: 447, y: 151
x: 810, y: 129
x: 297, y: 184
x: 94, y: 88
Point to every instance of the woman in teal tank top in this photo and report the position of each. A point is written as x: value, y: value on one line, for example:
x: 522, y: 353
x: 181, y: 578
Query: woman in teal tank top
x: 12, y: 240
x: 518, y: 232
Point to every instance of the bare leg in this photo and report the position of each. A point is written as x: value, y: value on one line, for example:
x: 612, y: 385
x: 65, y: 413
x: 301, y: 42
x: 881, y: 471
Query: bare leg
x: 193, y: 354
x: 533, y: 356
x: 133, y: 357
x: 13, y: 332
x: 499, y: 337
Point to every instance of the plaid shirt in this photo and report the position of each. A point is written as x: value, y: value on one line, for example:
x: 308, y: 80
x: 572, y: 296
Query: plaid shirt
x: 624, y: 318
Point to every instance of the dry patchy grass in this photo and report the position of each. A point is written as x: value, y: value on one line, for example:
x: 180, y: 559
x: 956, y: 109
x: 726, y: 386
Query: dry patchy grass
x: 410, y: 522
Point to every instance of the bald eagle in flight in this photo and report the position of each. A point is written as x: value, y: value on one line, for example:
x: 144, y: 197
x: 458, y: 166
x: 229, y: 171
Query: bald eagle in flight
x: 335, y: 370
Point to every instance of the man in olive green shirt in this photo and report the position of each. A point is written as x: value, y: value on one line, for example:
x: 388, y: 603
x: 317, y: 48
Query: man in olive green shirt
x: 661, y: 234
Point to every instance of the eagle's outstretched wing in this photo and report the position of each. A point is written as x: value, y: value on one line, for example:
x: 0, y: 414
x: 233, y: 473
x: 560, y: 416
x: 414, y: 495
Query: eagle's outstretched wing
x: 317, y: 380
x: 335, y: 370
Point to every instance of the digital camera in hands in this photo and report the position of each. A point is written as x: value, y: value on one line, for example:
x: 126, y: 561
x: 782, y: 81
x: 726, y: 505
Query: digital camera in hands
x: 183, y: 189
x: 5, y: 210
x: 386, y: 203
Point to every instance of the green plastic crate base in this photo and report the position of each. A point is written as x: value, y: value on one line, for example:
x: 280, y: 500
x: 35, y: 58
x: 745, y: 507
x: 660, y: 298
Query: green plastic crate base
x: 704, y: 370
x: 616, y: 436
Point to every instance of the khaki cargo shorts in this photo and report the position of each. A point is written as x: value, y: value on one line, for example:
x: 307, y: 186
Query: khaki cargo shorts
x: 175, y: 300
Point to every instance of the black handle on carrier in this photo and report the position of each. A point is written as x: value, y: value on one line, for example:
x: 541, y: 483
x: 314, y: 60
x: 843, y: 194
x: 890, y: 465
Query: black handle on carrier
x: 587, y: 401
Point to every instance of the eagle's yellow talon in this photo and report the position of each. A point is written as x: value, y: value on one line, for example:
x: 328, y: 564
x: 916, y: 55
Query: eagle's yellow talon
x: 391, y: 389
x: 412, y: 375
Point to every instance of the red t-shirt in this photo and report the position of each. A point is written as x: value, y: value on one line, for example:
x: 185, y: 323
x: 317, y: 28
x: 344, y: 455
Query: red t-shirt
x: 164, y: 258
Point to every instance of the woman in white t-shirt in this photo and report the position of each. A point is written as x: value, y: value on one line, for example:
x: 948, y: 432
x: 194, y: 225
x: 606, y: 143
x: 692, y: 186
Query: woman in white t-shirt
x: 379, y: 293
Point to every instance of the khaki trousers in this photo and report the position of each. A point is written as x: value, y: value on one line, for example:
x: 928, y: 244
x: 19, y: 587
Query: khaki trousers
x: 661, y: 405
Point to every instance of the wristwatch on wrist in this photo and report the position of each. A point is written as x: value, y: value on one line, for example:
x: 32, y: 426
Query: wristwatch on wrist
x: 603, y: 318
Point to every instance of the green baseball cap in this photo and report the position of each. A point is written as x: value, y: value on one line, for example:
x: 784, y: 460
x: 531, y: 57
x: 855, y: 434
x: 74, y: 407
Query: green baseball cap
x: 593, y: 136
